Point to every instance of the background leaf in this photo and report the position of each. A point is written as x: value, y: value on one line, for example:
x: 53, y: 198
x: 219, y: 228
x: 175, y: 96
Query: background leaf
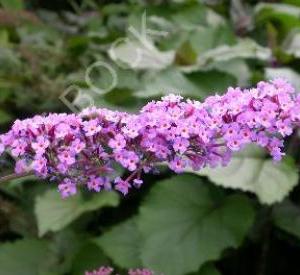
x: 12, y: 4
x: 90, y: 257
x: 26, y: 257
x: 251, y: 171
x: 53, y: 213
x: 184, y: 214
x: 287, y: 217
x: 122, y: 244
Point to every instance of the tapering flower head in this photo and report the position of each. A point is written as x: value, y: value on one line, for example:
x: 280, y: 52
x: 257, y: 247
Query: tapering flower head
x: 84, y: 149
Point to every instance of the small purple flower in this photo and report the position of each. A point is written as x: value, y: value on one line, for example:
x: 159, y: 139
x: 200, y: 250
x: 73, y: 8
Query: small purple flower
x: 40, y: 145
x: 284, y: 127
x: 180, y: 145
x: 130, y: 131
x: 122, y: 186
x: 172, y: 98
x: 234, y: 144
x: 18, y: 148
x: 78, y: 145
x: 39, y: 165
x: 183, y: 130
x: 66, y: 157
x: 262, y: 139
x: 118, y: 142
x: 277, y: 154
x: 91, y: 127
x: 2, y: 148
x: 109, y: 271
x: 21, y: 166
x: 67, y: 188
x: 177, y: 164
x: 95, y: 183
x: 62, y: 130
x: 137, y: 183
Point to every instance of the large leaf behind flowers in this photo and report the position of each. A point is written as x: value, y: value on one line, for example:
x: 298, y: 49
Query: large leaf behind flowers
x: 287, y: 217
x: 26, y: 257
x: 185, y: 223
x: 122, y: 244
x: 54, y: 213
x: 251, y: 171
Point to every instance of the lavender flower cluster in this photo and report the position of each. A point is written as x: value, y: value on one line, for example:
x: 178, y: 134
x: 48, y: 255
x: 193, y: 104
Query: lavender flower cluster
x: 84, y: 149
x: 109, y: 271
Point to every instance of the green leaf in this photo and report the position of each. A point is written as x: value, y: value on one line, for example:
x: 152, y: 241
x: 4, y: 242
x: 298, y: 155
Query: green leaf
x: 26, y: 257
x: 185, y: 55
x: 236, y: 67
x: 54, y: 213
x: 4, y: 38
x: 122, y: 244
x: 197, y: 85
x: 251, y: 171
x: 287, y: 217
x: 12, y: 4
x: 208, y: 269
x: 141, y: 54
x: 283, y: 16
x: 65, y: 245
x: 207, y: 38
x: 276, y: 7
x: 4, y: 117
x: 190, y: 17
x: 89, y: 257
x: 245, y: 48
x: 185, y: 223
x: 291, y: 45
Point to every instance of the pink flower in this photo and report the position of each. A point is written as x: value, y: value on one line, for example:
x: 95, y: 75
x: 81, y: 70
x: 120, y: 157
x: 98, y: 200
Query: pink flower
x: 234, y: 144
x: 284, y: 127
x: 118, y: 142
x: 109, y: 271
x: 18, y: 148
x: 137, y: 183
x: 40, y: 145
x: 183, y: 130
x: 122, y: 186
x: 66, y: 158
x: 62, y: 130
x: 101, y: 271
x: 91, y: 127
x: 180, y: 145
x: 2, y: 148
x: 21, y: 166
x: 95, y: 183
x: 39, y: 165
x: 78, y: 145
x: 177, y: 164
x: 67, y: 188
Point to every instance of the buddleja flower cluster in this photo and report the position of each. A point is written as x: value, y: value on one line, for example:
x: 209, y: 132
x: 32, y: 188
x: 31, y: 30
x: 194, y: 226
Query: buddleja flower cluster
x: 109, y: 271
x: 85, y: 149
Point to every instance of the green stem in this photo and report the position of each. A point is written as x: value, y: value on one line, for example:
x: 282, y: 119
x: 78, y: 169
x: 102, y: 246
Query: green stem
x: 14, y: 176
x: 266, y: 238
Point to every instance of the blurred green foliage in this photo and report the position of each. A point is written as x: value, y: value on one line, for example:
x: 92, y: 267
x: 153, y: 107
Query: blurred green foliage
x: 240, y: 220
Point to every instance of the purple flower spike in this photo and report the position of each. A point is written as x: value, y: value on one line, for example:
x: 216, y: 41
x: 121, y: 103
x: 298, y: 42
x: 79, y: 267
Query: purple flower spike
x: 84, y: 148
